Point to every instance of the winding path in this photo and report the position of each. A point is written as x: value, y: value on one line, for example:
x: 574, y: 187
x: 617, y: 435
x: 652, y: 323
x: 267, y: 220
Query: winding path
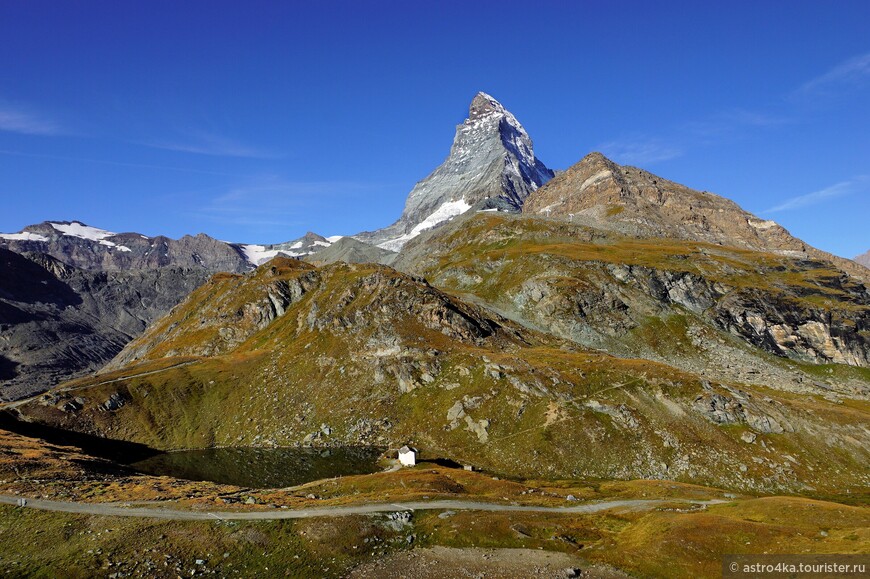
x: 116, y: 510
x: 16, y: 403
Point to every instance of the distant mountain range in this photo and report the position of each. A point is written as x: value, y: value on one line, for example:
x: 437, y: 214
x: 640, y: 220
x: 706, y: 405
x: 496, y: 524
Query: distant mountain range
x: 863, y: 259
x: 96, y: 249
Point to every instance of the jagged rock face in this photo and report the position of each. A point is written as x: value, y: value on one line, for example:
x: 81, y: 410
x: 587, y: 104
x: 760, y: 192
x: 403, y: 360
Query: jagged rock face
x: 491, y: 158
x: 598, y: 192
x: 95, y: 249
x: 778, y: 324
x: 58, y: 321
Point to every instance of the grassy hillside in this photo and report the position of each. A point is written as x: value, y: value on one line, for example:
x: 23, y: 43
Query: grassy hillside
x: 363, y: 354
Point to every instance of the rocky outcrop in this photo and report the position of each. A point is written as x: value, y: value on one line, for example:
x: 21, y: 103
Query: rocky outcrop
x: 491, y: 161
x: 58, y: 321
x: 788, y: 328
x: 738, y: 407
x: 222, y: 325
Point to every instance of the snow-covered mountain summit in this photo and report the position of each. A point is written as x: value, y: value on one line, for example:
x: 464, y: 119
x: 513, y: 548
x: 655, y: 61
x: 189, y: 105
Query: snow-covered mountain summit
x: 492, y: 158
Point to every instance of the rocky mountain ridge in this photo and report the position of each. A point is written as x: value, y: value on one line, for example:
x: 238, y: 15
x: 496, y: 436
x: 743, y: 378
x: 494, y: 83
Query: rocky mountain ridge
x: 87, y: 247
x: 702, y: 307
x: 600, y: 193
x: 863, y: 259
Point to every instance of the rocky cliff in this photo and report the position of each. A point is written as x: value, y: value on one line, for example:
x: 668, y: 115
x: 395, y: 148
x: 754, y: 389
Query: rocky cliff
x: 492, y: 159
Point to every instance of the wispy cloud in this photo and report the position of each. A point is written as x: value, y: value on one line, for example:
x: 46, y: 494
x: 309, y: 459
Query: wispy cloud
x: 849, y: 72
x: 203, y: 143
x: 272, y: 200
x: 856, y: 185
x: 115, y: 163
x: 16, y: 119
x: 727, y: 124
x: 640, y: 150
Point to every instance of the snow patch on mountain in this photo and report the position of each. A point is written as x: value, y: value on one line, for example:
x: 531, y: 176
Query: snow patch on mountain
x: 444, y: 213
x: 23, y: 236
x: 258, y: 254
x: 76, y: 229
x: 82, y: 231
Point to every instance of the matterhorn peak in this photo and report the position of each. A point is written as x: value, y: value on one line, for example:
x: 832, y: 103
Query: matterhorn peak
x: 491, y: 160
x: 483, y: 104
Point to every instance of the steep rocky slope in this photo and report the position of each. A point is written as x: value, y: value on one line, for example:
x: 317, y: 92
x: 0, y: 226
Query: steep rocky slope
x: 362, y: 354
x: 491, y: 160
x: 598, y: 192
x: 706, y: 308
x: 58, y: 321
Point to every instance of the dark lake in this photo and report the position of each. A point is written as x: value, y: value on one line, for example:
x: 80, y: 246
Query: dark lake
x: 249, y: 467
x: 262, y: 467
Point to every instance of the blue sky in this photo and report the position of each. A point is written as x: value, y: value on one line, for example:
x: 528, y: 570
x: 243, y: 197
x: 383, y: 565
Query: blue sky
x: 257, y: 121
